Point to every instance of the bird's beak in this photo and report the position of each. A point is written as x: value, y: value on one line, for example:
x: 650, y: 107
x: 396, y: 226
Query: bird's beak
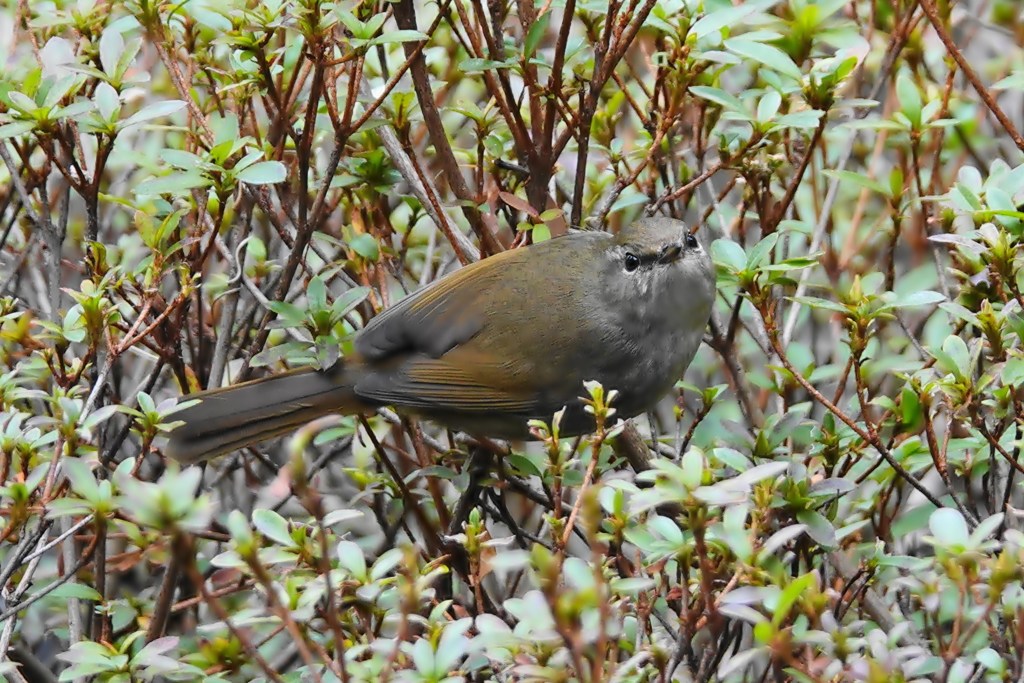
x: 670, y: 253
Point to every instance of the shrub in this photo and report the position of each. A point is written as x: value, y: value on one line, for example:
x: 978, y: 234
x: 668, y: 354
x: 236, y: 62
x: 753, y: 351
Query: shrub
x: 193, y: 191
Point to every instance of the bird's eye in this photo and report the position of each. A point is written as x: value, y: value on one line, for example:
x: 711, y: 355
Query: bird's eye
x: 631, y: 262
x: 691, y: 241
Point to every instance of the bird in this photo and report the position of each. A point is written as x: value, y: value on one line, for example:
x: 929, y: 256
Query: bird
x: 496, y: 344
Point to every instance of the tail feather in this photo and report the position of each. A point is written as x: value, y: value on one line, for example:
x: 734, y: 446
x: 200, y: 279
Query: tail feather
x: 240, y: 415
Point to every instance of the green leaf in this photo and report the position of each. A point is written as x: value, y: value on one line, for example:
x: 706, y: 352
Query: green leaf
x: 366, y: 246
x: 247, y: 161
x: 910, y: 99
x: 919, y: 298
x: 401, y: 36
x: 154, y: 648
x: 107, y: 102
x: 273, y: 526
x: 726, y: 17
x: 386, y: 563
x: 221, y: 152
x: 955, y: 357
x: 352, y: 559
x: 354, y: 26
x: 632, y: 585
x: 75, y: 590
x: 858, y: 179
x: 153, y: 111
x: 263, y: 173
x: 22, y: 102
x: 762, y: 250
x: 327, y: 351
x: 1014, y: 81
x: 818, y: 528
x: 57, y: 90
x: 768, y: 106
x: 910, y: 406
x: 873, y: 124
x: 815, y: 302
x: 540, y: 233
x: 809, y: 118
x: 789, y: 596
x: 718, y: 96
x: 225, y: 129
x: 767, y: 470
x: 719, y: 495
x: 692, y: 468
x: 131, y: 49
x: 373, y: 25
x: 179, y: 158
x: 256, y: 249
x: 730, y: 457
x: 316, y: 292
x: 948, y: 527
x: 729, y: 254
x: 735, y: 665
x: 293, y: 350
x: 537, y: 31
x: 1013, y: 372
x: 16, y: 128
x: 83, y: 482
x: 475, y: 65
x: 986, y: 528
x: 289, y: 313
x: 111, y: 49
x: 338, y: 516
x: 175, y: 183
x: 768, y: 55
x: 523, y: 464
x: 991, y: 660
x: 349, y: 300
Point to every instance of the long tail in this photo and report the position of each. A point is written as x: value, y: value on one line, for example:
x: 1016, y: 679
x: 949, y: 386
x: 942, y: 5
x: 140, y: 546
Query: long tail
x: 244, y: 414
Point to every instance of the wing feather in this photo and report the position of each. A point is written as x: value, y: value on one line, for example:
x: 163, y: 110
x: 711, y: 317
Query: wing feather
x: 430, y: 383
x: 439, y: 317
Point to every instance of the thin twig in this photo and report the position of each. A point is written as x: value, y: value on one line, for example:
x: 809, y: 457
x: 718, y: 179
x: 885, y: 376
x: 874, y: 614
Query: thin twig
x: 972, y: 76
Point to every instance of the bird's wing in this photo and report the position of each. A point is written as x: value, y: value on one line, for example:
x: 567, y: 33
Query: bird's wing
x: 439, y: 317
x: 454, y: 383
x: 450, y: 346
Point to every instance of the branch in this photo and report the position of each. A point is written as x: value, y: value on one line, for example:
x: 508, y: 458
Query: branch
x: 970, y: 73
x: 896, y: 44
x: 83, y: 560
x: 427, y: 196
x: 867, y: 437
x: 405, y: 15
x: 783, y: 205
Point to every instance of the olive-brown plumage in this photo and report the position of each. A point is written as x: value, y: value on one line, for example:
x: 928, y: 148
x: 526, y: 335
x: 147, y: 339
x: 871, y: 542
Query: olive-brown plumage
x: 497, y: 343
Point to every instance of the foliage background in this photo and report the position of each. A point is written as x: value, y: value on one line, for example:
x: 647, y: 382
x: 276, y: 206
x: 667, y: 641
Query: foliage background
x: 833, y: 494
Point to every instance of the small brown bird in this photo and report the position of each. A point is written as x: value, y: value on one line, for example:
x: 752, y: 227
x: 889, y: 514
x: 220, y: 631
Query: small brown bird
x: 497, y: 343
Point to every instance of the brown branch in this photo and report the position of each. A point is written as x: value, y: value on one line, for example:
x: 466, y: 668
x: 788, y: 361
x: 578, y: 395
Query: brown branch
x: 868, y: 437
x: 933, y: 16
x: 399, y: 73
x: 719, y: 342
x: 610, y: 61
x: 85, y: 558
x: 555, y: 82
x: 434, y: 542
x: 780, y: 209
x: 405, y: 15
x: 164, y: 600
x: 526, y: 147
x: 680, y: 191
x: 222, y: 613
